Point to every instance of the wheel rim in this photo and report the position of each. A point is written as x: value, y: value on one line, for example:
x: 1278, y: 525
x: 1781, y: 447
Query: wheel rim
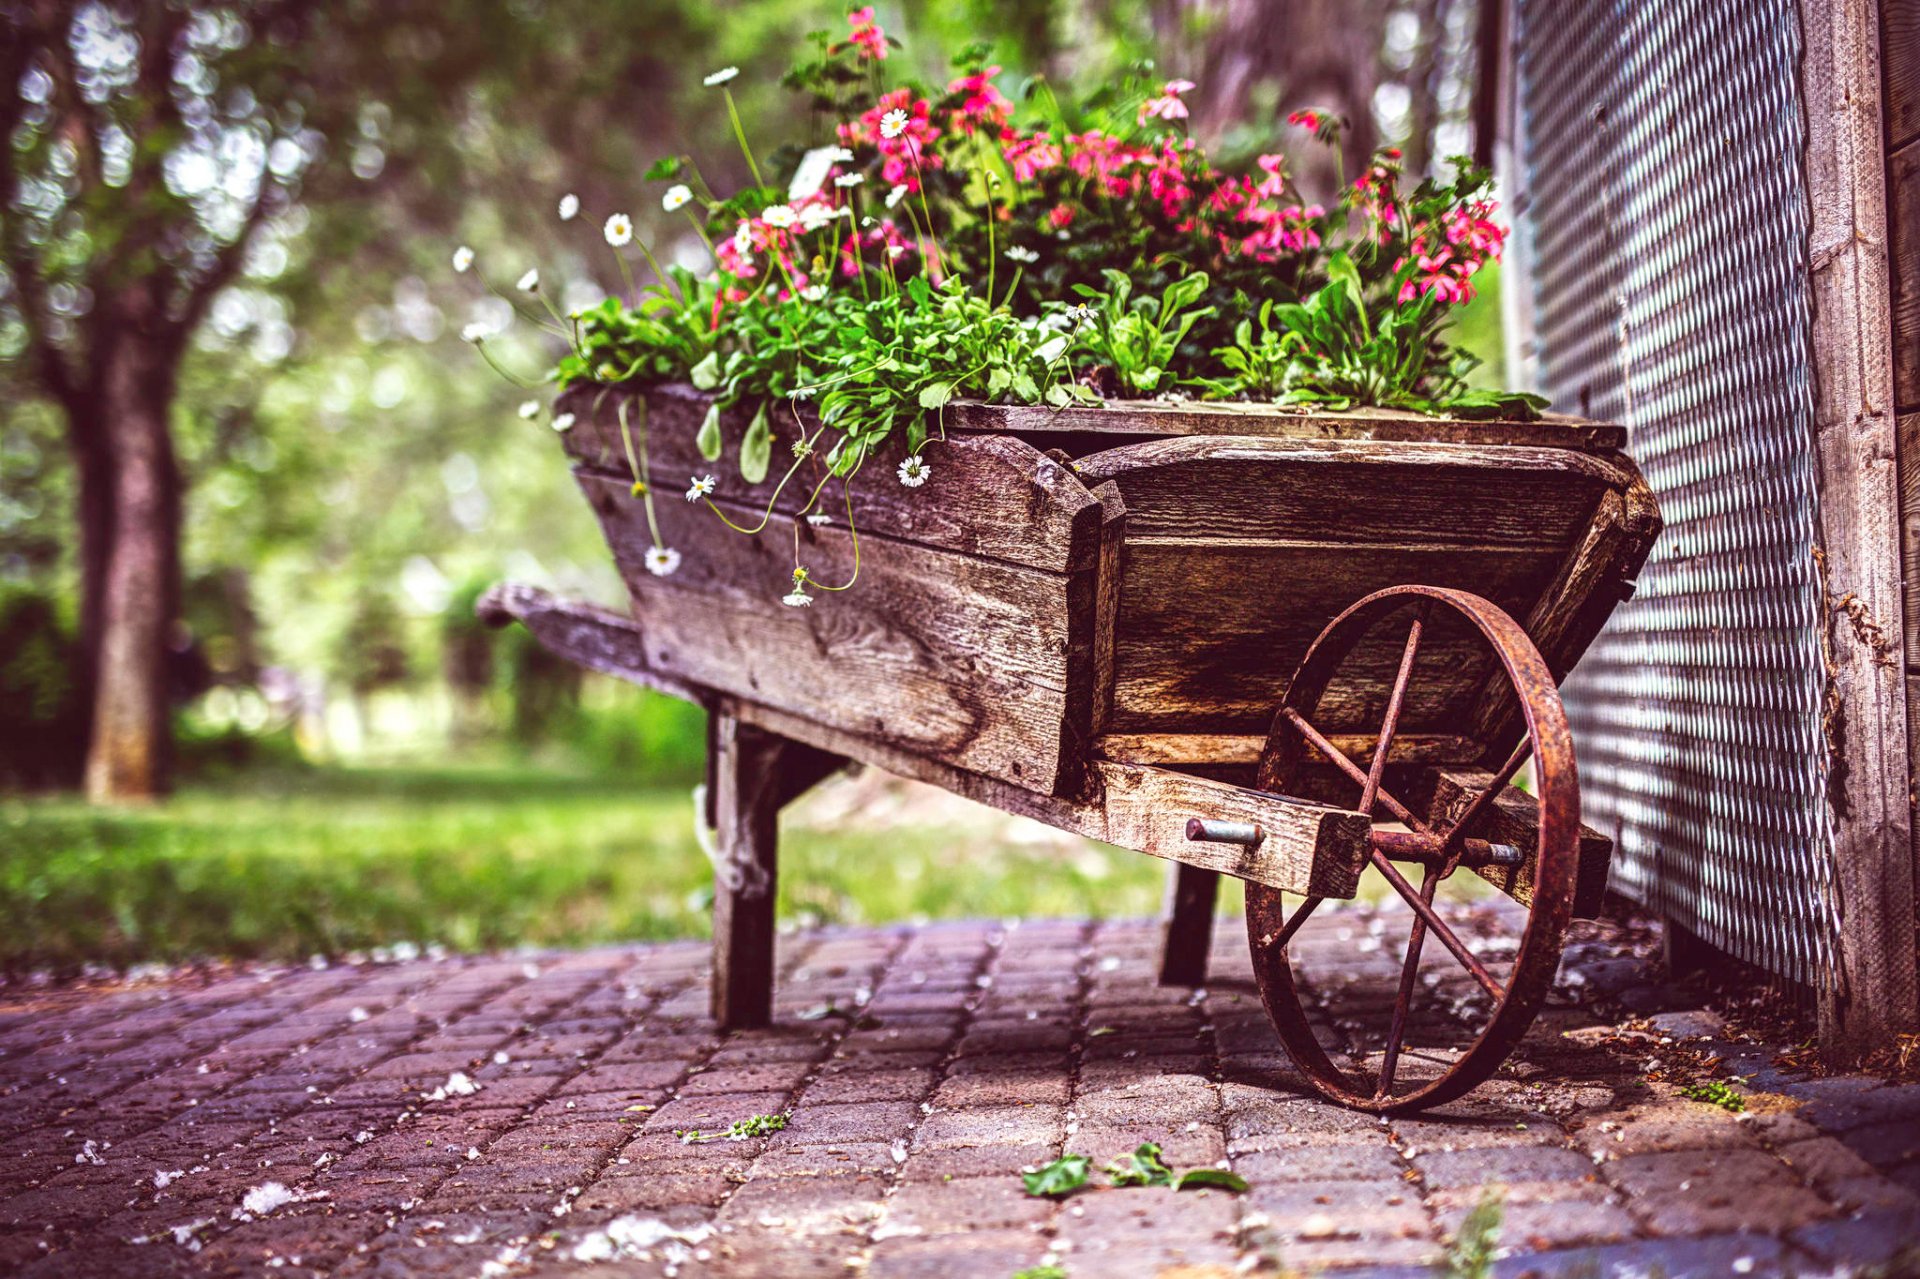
x: 1443, y: 848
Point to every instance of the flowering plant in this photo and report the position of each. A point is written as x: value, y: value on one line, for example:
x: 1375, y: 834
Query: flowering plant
x: 943, y: 245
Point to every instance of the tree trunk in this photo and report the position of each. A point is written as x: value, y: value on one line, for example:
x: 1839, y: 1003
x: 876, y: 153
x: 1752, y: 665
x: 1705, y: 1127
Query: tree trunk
x: 129, y: 756
x: 93, y: 503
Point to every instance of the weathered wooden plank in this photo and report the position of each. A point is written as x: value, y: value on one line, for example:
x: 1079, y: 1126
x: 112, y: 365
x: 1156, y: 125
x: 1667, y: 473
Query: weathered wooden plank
x: 1192, y: 894
x: 967, y: 660
x: 1227, y: 489
x: 1208, y: 636
x: 1876, y: 990
x: 1442, y: 795
x: 1097, y: 427
x: 1907, y: 432
x: 1240, y: 749
x: 1309, y: 849
x: 1903, y: 252
x: 992, y: 496
x: 1900, y: 64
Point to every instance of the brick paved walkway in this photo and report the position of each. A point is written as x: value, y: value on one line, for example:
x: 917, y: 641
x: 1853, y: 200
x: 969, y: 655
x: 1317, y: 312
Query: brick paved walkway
x: 318, y: 1120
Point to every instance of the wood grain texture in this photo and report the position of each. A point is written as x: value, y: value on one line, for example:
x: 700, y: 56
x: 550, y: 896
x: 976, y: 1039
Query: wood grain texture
x: 1085, y: 429
x: 1442, y: 795
x: 1239, y: 551
x: 1900, y: 66
x: 1903, y: 249
x: 967, y: 660
x: 1309, y: 848
x: 996, y: 497
x: 1876, y: 990
x: 1223, y: 748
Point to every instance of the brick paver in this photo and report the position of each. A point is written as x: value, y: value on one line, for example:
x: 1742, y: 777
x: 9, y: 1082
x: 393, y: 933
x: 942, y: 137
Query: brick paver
x: 525, y: 1116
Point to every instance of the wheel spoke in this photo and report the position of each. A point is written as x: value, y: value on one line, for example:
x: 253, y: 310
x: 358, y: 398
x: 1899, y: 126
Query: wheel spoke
x: 1447, y: 936
x: 1339, y: 760
x: 1293, y: 924
x: 1481, y: 802
x: 1371, y: 787
x: 1409, y: 971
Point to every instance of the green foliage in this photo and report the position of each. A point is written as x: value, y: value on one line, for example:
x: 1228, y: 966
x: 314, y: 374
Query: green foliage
x: 42, y: 718
x: 285, y: 865
x: 1059, y: 1178
x: 1210, y: 1179
x: 1144, y: 1167
x: 1714, y: 1092
x: 738, y: 1130
x: 1138, y: 338
x: 1473, y: 1250
x: 1041, y: 1272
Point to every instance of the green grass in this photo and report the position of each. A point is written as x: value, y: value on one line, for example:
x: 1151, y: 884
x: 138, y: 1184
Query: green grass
x: 290, y: 864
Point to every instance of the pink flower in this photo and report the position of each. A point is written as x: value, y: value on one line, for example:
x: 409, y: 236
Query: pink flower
x: 910, y: 150
x: 867, y: 35
x: 1060, y: 217
x: 984, y: 105
x: 1305, y: 120
x: 1031, y: 155
x: 1168, y: 105
x: 1274, y: 185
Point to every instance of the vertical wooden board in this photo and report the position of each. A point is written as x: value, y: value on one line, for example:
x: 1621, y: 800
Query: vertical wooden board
x: 1900, y: 63
x: 993, y: 496
x: 745, y: 784
x: 965, y: 660
x: 1876, y: 991
x: 1903, y: 250
x: 1192, y: 895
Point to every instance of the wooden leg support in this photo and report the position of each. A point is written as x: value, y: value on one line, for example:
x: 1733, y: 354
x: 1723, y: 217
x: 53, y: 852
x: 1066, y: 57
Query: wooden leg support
x: 751, y: 775
x: 1191, y: 893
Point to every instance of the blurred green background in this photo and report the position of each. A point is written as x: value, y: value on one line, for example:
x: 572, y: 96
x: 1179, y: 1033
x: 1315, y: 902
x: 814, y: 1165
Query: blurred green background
x: 358, y: 762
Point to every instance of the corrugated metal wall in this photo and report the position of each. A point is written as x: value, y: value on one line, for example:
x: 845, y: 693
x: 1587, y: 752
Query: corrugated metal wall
x: 1661, y: 219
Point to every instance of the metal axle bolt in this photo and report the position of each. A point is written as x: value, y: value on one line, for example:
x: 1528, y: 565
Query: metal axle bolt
x: 1206, y: 831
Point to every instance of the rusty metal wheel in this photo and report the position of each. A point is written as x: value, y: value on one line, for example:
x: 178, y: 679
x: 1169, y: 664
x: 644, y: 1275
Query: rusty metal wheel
x: 1462, y: 1043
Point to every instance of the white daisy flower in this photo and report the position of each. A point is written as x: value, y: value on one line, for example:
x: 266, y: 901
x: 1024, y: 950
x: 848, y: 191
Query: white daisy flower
x: 678, y: 196
x: 914, y: 472
x: 619, y: 230
x: 662, y: 560
x: 462, y: 259
x: 699, y: 488
x: 564, y: 422
x: 815, y: 216
x: 896, y: 194
x: 1020, y: 254
x: 779, y: 216
x: 1080, y: 314
x: 569, y: 207
x: 818, y: 520
x: 850, y: 179
x: 530, y: 282
x: 476, y: 333
x: 813, y: 292
x: 895, y: 250
x: 743, y: 239
x: 721, y: 76
x: 893, y: 123
x: 840, y: 155
x: 798, y: 599
x: 529, y: 409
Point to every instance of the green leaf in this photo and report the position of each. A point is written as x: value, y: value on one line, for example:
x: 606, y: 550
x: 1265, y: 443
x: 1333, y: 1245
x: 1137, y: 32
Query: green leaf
x: 1144, y: 1167
x: 756, y: 447
x: 706, y: 374
x: 664, y: 168
x: 934, y: 395
x: 1061, y: 1177
x: 708, y: 441
x: 1218, y: 1178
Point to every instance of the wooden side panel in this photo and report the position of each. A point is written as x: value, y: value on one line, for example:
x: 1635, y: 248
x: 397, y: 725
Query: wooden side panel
x: 1239, y: 551
x: 992, y: 496
x: 965, y: 660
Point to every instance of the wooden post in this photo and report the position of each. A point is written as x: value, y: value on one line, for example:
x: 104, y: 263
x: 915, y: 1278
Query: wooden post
x: 751, y: 775
x: 1872, y: 995
x: 1191, y: 893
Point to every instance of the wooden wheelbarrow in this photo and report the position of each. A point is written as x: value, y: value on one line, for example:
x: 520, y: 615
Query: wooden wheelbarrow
x: 1282, y: 647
